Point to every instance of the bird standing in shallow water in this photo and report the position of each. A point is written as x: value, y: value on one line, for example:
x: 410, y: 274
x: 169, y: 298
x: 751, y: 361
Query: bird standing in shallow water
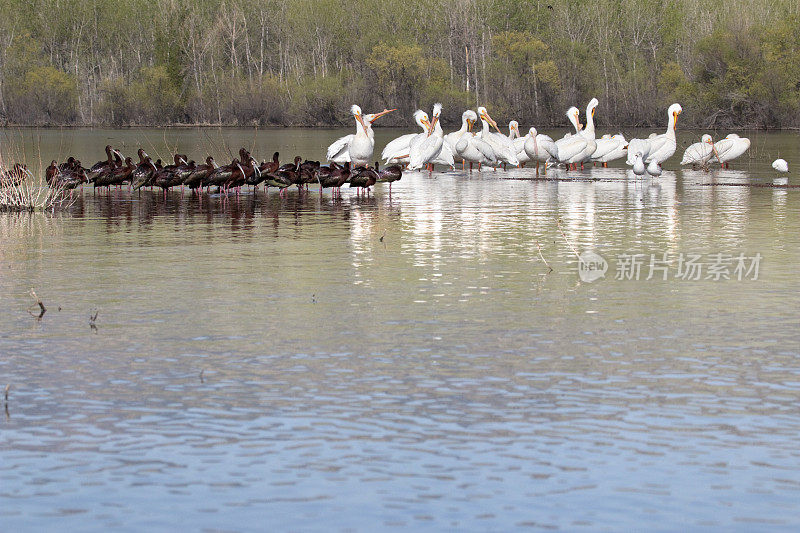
x: 389, y: 174
x: 781, y: 166
x: 356, y: 148
x: 653, y: 168
x: 363, y: 178
x: 638, y: 164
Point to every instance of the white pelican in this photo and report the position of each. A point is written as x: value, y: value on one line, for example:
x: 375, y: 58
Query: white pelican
x: 698, y: 154
x: 539, y: 147
x: 518, y: 142
x: 503, y: 146
x: 638, y: 163
x: 588, y: 133
x: 356, y: 148
x: 658, y: 147
x: 447, y: 155
x: 610, y: 148
x: 570, y: 147
x: 730, y: 148
x: 397, y: 150
x: 429, y: 149
x: 781, y: 166
x: 468, y: 118
x: 472, y: 148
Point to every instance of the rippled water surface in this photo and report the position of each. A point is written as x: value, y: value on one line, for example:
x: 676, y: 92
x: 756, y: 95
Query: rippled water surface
x: 403, y: 361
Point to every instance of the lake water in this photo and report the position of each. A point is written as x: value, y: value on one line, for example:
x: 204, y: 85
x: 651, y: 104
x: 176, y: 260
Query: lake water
x: 403, y: 362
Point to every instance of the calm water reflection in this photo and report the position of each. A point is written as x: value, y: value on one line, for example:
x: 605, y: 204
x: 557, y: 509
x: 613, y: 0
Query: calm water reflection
x: 402, y: 362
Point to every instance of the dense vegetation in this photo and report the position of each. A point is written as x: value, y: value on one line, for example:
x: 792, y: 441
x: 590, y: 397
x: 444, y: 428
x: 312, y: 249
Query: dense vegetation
x: 128, y: 62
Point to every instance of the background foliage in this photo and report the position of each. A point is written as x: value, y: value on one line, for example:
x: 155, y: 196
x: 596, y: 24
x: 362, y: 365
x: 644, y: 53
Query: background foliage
x: 243, y: 62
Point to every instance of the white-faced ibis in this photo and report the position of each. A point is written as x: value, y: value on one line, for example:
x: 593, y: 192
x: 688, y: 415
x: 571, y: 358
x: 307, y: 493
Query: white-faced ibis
x: 51, y: 172
x: 221, y: 175
x: 142, y: 154
x: 195, y: 179
x: 333, y: 176
x: 246, y: 173
x: 270, y: 166
x: 171, y: 175
x: 114, y: 160
x: 308, y: 173
x: 117, y: 176
x: 285, y: 176
x: 14, y: 176
x: 69, y: 179
x: 70, y: 164
x: 363, y: 178
x: 143, y: 173
x: 389, y: 174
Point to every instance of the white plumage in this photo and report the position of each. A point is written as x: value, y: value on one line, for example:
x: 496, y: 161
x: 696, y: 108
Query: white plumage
x: 781, y: 165
x: 638, y: 163
x: 699, y: 153
x: 356, y: 148
x: 610, y: 148
x: 653, y: 168
x: 588, y: 132
x: 503, y: 146
x: 397, y: 150
x: 570, y: 147
x: 429, y: 148
x: 539, y: 147
x: 471, y: 147
x: 730, y: 148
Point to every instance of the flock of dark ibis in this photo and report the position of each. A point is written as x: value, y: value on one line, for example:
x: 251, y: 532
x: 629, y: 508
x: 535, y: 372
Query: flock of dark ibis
x: 242, y: 171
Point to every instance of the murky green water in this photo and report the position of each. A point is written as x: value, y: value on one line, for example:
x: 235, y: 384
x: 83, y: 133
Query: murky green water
x: 405, y: 361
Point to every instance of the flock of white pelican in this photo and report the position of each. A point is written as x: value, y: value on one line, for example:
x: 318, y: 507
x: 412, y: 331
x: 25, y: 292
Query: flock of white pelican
x: 431, y: 146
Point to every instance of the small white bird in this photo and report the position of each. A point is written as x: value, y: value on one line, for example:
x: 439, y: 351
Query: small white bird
x: 781, y: 166
x: 653, y: 168
x: 638, y: 164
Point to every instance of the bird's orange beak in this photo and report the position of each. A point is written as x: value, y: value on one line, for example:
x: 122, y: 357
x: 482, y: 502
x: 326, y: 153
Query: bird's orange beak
x: 379, y: 115
x: 490, y: 120
x: 470, y: 123
x: 360, y: 119
x: 433, y: 124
